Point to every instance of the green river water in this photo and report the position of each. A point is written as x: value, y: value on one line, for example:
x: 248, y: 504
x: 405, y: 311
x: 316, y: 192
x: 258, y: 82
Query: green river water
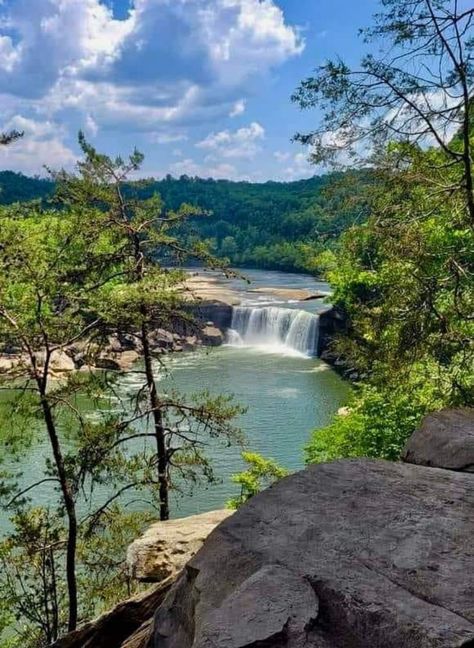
x: 287, y: 395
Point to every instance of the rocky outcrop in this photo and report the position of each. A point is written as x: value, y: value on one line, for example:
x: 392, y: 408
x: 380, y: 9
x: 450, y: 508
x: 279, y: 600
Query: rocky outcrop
x: 212, y: 336
x: 352, y: 554
x: 166, y: 547
x: 332, y: 322
x: 297, y: 294
x: 128, y: 624
x: 120, y: 352
x: 217, y: 312
x: 445, y: 439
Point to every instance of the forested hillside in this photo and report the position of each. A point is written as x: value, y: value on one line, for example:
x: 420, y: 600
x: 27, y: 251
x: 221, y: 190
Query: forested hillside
x: 16, y: 187
x: 273, y: 225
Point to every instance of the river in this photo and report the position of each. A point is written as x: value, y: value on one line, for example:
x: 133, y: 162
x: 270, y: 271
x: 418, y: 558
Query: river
x: 287, y: 392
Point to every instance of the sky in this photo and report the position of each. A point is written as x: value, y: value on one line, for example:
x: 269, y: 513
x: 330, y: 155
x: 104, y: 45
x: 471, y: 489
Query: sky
x: 201, y: 87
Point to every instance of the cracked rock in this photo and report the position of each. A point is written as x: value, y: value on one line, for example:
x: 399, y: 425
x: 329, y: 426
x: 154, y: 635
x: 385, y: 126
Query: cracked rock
x: 352, y: 554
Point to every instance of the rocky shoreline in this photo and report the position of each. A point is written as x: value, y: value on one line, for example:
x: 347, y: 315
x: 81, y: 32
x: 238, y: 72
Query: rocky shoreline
x: 209, y: 305
x: 209, y: 308
x: 118, y: 352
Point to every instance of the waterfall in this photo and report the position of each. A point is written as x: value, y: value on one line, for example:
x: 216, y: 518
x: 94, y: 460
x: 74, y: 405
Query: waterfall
x: 279, y: 330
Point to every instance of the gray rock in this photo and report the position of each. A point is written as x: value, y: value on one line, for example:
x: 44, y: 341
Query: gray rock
x: 212, y: 336
x: 332, y: 322
x: 217, y: 312
x: 8, y: 363
x: 162, y: 338
x: 114, y: 344
x: 105, y: 361
x: 130, y: 342
x: 190, y: 343
x: 61, y: 362
x: 125, y: 625
x: 367, y: 554
x: 444, y: 440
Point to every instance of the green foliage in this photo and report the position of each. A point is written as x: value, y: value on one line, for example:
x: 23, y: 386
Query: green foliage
x: 375, y: 424
x: 70, y: 276
x: 32, y: 583
x: 260, y: 474
x: 404, y: 277
x: 274, y: 225
x: 16, y: 187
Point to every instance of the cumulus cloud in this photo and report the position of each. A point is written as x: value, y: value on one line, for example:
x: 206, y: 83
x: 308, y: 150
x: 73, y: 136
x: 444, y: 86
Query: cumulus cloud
x: 42, y: 145
x: 192, y: 168
x: 167, y: 61
x: 55, y: 39
x: 281, y: 156
x: 294, y: 166
x: 242, y: 143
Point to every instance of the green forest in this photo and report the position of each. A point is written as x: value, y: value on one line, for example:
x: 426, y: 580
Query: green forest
x: 92, y: 257
x: 273, y: 225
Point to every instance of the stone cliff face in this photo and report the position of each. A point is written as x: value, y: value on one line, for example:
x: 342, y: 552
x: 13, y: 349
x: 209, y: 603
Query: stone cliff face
x: 355, y: 553
x: 351, y: 554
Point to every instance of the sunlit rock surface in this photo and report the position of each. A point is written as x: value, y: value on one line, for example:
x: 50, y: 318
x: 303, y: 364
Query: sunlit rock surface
x: 355, y: 553
x: 166, y: 547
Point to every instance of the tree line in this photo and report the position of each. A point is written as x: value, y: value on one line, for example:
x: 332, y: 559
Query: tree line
x: 272, y: 225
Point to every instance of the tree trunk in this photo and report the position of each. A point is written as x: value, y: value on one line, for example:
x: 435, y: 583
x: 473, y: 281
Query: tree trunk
x: 158, y: 422
x: 70, y: 512
x: 162, y: 458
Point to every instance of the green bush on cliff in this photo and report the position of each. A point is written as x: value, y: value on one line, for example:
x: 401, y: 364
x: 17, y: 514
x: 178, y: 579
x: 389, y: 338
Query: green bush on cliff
x: 376, y: 424
x: 260, y: 474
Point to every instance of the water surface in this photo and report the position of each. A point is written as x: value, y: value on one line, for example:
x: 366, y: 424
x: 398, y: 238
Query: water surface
x: 287, y: 395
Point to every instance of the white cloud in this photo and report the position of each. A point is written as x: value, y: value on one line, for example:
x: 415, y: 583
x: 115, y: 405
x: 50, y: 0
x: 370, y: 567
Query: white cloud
x: 9, y: 55
x: 42, y: 145
x: 238, y: 108
x: 57, y: 39
x: 242, y: 143
x: 192, y: 168
x: 91, y: 125
x: 168, y: 138
x: 168, y: 61
x: 295, y: 166
x: 281, y: 156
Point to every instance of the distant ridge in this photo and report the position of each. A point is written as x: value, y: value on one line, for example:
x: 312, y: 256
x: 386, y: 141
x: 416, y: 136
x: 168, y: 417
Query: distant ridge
x: 274, y: 225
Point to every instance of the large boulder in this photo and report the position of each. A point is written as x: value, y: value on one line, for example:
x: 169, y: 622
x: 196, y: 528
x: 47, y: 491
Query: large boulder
x: 61, y: 362
x: 445, y: 439
x: 211, y: 336
x: 352, y: 554
x: 166, y: 547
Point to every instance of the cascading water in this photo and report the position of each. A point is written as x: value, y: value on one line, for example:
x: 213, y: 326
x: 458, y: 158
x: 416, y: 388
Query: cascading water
x: 279, y: 330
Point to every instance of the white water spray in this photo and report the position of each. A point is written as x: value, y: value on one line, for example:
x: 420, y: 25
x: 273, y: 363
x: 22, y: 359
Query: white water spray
x: 277, y: 330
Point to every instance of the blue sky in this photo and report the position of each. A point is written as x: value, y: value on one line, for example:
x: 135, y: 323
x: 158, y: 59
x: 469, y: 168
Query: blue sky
x: 201, y: 87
